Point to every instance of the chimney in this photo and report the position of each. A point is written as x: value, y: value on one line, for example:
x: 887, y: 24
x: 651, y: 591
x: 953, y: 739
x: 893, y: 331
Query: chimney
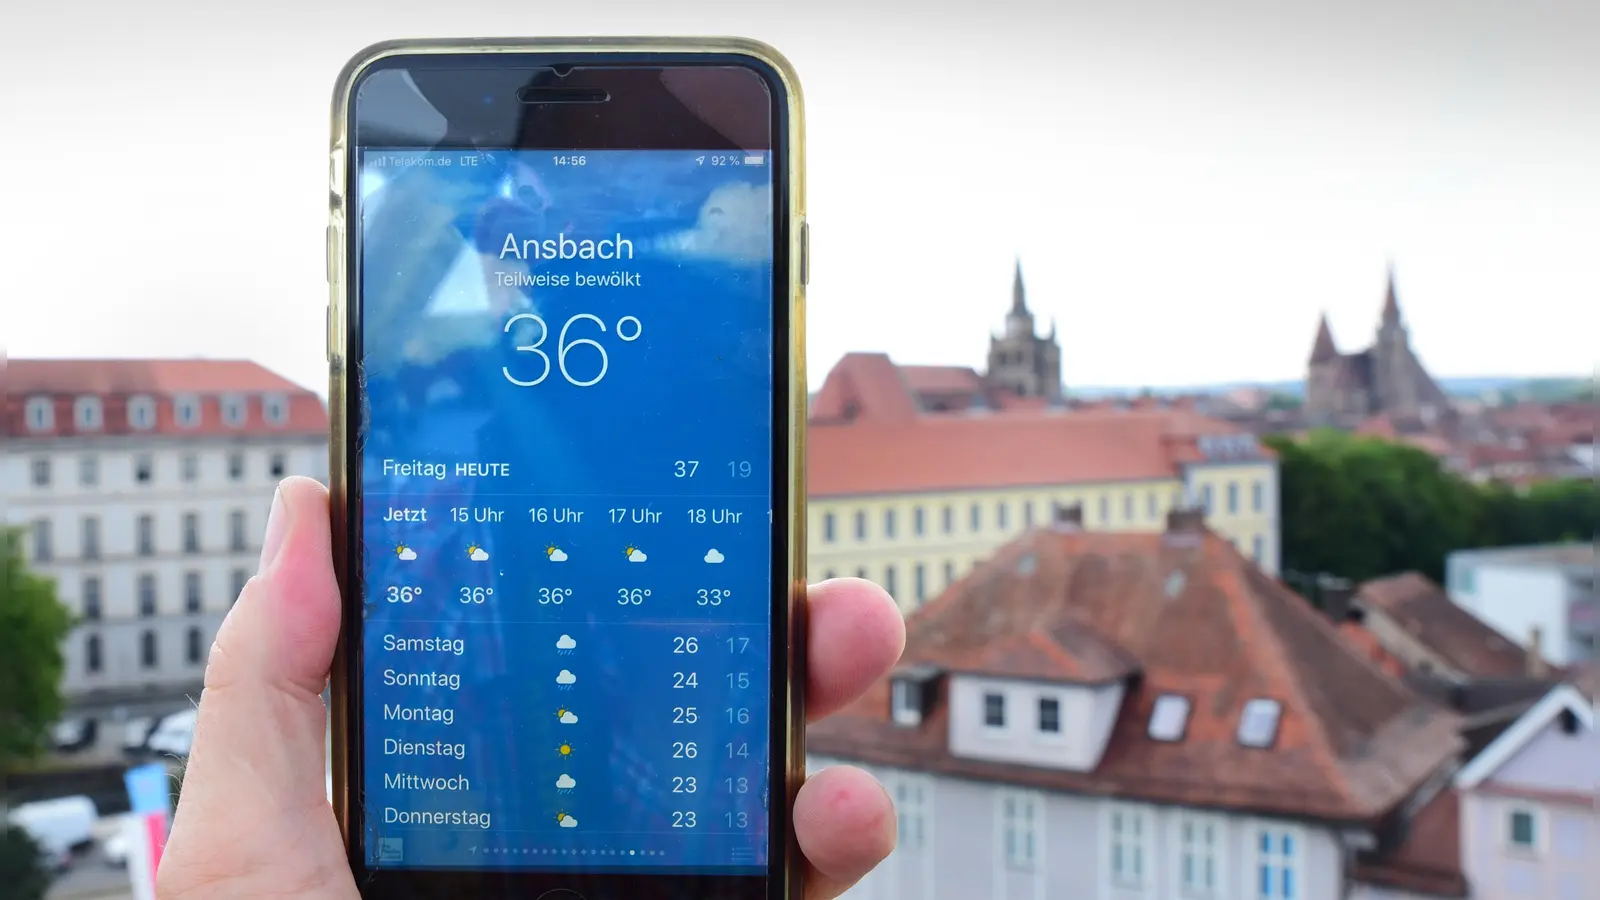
x: 1535, y: 653
x: 1067, y: 518
x: 1338, y: 595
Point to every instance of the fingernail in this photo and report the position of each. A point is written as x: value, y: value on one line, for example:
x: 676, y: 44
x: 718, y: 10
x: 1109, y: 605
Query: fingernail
x: 277, y: 527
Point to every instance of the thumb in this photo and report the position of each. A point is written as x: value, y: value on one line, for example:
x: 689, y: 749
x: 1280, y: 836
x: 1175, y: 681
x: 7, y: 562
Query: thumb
x: 257, y: 764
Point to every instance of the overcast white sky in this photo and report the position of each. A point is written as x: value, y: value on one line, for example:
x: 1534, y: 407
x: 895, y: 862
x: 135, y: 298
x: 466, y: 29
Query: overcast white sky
x: 1188, y: 184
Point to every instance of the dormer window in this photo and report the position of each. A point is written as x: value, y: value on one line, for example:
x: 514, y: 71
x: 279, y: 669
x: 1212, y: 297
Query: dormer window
x: 994, y: 710
x: 41, y: 414
x: 233, y: 411
x: 1049, y: 715
x: 910, y: 695
x: 142, y: 412
x: 275, y: 409
x: 1170, y: 718
x: 1258, y: 725
x: 186, y: 409
x: 87, y: 413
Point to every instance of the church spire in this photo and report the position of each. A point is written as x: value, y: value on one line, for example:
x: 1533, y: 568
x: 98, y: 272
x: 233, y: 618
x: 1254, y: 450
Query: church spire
x: 1323, y: 349
x: 1019, y: 295
x: 1391, y: 305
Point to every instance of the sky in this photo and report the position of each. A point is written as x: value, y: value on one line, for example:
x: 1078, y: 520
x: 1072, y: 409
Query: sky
x: 1187, y: 184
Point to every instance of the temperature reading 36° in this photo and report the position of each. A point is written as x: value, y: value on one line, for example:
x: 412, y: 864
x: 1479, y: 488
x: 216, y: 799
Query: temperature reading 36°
x: 533, y: 333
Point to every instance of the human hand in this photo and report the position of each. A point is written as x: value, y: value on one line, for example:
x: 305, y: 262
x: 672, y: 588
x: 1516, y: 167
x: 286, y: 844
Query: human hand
x: 254, y: 820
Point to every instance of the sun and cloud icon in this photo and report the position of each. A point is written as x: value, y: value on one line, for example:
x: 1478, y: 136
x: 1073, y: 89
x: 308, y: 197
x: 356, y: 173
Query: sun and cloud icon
x: 566, y: 677
x: 635, y: 554
x: 566, y: 820
x: 405, y: 553
x: 477, y: 554
x: 714, y: 556
x: 566, y: 783
x: 567, y: 716
x: 555, y: 553
x: 566, y: 642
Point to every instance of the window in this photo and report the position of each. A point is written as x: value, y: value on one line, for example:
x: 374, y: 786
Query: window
x: 1019, y: 821
x: 147, y: 595
x: 1151, y: 504
x: 828, y: 526
x: 146, y: 536
x: 994, y: 710
x: 241, y: 577
x: 911, y: 806
x: 1197, y: 856
x: 236, y: 465
x: 147, y: 649
x: 1258, y: 725
x: 1257, y: 547
x: 1128, y: 828
x: 186, y: 409
x: 189, y: 467
x: 88, y: 471
x: 1464, y: 579
x: 905, y: 702
x: 1277, y: 865
x: 144, y: 468
x: 86, y: 413
x: 977, y: 517
x: 194, y: 645
x: 861, y: 525
x: 1233, y: 497
x: 41, y: 414
x: 1522, y: 830
x: 1258, y: 496
x: 91, y: 653
x: 1105, y: 509
x: 1002, y: 516
x: 43, y: 546
x: 1027, y: 514
x: 91, y: 598
x: 1049, y: 715
x: 191, y: 592
x: 830, y: 575
x: 41, y: 472
x: 888, y: 580
x: 861, y: 571
x: 91, y: 537
x: 949, y: 573
x: 275, y: 409
x: 236, y: 541
x: 191, y: 532
x: 919, y: 523
x: 919, y: 577
x: 949, y: 516
x: 1169, y: 718
x: 888, y: 523
x: 1205, y: 497
x: 142, y: 413
x: 234, y: 411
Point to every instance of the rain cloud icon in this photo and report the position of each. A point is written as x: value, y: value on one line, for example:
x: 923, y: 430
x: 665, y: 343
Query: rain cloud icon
x: 568, y: 717
x: 566, y: 783
x: 477, y: 554
x: 405, y: 553
x: 636, y: 555
x: 555, y: 553
x: 714, y: 556
x: 568, y: 821
x: 565, y: 642
x: 566, y: 677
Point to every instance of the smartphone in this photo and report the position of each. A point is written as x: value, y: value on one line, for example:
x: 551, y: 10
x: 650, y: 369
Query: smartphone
x: 568, y: 394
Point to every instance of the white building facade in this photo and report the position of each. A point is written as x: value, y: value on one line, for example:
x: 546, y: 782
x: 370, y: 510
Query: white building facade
x: 142, y: 489
x: 1544, y: 593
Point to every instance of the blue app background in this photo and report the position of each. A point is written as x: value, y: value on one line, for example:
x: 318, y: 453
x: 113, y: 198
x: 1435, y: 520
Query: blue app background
x: 567, y: 512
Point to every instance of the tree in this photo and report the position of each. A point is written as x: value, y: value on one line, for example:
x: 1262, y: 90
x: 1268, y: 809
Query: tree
x: 32, y: 626
x: 1358, y: 508
x: 22, y: 875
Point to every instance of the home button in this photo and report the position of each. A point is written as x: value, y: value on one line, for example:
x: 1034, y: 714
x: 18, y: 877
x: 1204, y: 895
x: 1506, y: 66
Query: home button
x: 560, y: 894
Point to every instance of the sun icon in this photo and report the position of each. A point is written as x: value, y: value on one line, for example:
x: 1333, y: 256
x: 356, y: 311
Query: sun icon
x: 630, y: 551
x: 564, y: 749
x: 560, y: 713
x: 561, y: 816
x: 550, y: 550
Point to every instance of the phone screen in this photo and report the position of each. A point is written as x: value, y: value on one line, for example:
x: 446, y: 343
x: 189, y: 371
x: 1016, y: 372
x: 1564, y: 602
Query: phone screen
x: 566, y: 457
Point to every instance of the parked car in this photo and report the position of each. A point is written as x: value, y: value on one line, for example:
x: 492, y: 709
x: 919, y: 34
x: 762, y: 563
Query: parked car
x: 58, y: 826
x: 175, y: 735
x: 72, y: 735
x: 136, y: 732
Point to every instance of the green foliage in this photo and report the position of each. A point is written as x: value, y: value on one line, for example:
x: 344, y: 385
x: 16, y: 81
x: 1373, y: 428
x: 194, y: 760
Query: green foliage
x: 22, y: 872
x: 1359, y: 508
x: 32, y: 626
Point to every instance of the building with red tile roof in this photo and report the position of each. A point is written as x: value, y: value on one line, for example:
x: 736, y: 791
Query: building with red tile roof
x: 142, y: 486
x: 1145, y: 714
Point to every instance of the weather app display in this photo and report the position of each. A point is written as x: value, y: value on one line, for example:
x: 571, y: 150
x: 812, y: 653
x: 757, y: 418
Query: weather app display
x: 566, y: 470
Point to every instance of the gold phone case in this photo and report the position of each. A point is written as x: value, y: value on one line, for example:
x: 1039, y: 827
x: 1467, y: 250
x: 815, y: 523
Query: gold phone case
x: 340, y: 384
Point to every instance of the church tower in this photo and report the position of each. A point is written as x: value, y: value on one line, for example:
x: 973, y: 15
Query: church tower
x: 1023, y: 363
x: 1393, y: 374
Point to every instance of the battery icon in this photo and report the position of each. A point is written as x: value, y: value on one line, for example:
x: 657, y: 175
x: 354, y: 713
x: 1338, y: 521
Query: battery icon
x: 755, y: 160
